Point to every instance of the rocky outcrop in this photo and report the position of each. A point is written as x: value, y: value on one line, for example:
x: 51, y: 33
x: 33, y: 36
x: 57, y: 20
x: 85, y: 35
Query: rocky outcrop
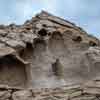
x: 49, y: 54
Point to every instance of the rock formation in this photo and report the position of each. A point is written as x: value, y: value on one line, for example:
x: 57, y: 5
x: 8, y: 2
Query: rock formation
x: 48, y: 58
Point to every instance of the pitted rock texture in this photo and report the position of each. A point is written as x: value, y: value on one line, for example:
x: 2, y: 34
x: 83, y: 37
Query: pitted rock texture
x: 47, y: 52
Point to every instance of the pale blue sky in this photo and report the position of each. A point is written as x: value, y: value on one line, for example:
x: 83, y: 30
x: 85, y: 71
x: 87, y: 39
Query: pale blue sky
x: 85, y: 13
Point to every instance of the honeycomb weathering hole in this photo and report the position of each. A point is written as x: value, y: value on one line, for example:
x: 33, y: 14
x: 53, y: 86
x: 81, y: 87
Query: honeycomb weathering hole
x: 92, y: 43
x: 42, y: 32
x: 77, y: 39
x: 29, y: 46
x: 56, y: 35
x: 56, y: 44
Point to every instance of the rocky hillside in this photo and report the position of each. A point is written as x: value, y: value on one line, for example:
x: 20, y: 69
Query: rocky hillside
x: 48, y: 58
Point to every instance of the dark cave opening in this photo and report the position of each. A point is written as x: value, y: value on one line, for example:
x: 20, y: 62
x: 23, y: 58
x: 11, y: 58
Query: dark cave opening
x: 12, y: 71
x: 77, y: 39
x: 42, y: 32
x: 91, y: 43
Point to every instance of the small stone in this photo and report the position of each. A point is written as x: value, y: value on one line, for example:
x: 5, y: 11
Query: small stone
x: 75, y: 94
x: 22, y: 95
x: 93, y: 91
x: 4, y: 95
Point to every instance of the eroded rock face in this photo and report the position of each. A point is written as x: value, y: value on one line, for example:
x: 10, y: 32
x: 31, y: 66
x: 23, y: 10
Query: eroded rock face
x: 47, y: 52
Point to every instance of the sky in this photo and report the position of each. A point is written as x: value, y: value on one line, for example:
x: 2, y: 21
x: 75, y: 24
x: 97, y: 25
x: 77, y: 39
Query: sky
x: 84, y: 13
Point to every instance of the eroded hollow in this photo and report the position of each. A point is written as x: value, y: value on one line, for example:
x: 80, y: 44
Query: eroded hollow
x: 56, y: 44
x: 92, y: 43
x: 39, y: 45
x: 57, y: 69
x: 27, y: 52
x: 42, y: 32
x: 12, y: 72
x: 28, y: 28
x: 77, y: 38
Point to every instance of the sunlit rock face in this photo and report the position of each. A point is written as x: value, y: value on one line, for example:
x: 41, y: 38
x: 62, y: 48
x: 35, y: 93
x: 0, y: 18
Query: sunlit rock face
x: 47, y: 51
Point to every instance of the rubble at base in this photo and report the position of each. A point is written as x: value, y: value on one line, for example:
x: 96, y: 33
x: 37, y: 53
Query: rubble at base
x: 88, y: 91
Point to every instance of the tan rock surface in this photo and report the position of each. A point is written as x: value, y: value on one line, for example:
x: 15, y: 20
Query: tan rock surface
x: 49, y: 53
